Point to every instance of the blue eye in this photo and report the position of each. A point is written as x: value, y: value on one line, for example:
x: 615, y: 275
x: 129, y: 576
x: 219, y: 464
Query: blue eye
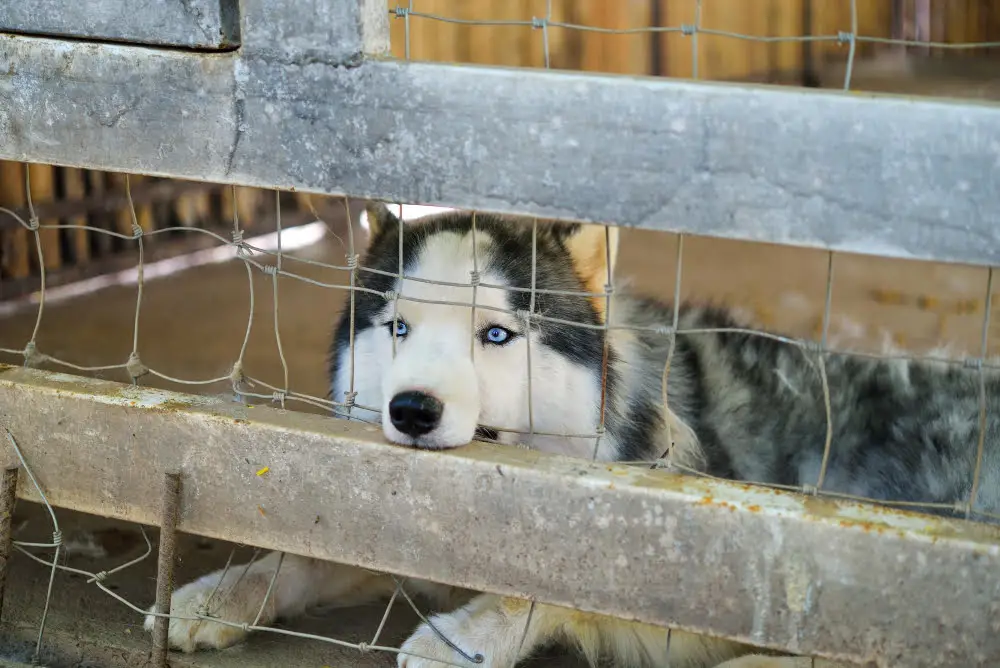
x: 497, y: 336
x: 401, y: 328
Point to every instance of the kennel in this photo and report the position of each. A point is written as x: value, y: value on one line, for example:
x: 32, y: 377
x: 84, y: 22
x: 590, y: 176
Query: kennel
x: 261, y: 94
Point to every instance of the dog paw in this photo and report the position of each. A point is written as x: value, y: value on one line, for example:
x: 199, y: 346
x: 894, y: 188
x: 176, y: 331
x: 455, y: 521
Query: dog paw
x: 425, y: 649
x: 187, y: 632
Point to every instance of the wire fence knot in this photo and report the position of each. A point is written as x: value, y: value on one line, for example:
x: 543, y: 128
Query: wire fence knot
x: 810, y: 490
x: 363, y: 647
x: 135, y: 367
x: 845, y: 36
x: 236, y: 375
x: 349, y: 399
x: 352, y: 262
x: 474, y: 278
x: 242, y: 250
x: 33, y: 224
x: 136, y: 231
x: 389, y: 295
x: 279, y: 397
x: 688, y: 29
x: 270, y: 269
x: 538, y: 23
x: 401, y: 12
x: 57, y: 538
x: 32, y: 357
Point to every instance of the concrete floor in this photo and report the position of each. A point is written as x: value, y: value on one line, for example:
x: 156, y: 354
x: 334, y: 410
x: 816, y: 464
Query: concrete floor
x: 192, y: 325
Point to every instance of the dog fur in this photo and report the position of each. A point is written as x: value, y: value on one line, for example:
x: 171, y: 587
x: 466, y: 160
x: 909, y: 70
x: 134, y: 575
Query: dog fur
x: 741, y: 406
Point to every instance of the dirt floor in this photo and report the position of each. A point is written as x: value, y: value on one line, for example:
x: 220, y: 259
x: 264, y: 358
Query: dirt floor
x: 192, y: 325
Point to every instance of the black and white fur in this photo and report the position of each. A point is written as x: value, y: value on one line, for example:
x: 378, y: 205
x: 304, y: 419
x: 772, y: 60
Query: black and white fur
x: 740, y: 406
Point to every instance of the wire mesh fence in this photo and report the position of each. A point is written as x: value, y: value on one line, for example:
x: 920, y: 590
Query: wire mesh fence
x: 278, y: 263
x: 846, y: 30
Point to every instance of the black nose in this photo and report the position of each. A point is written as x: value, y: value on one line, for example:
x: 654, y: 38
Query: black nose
x: 415, y: 413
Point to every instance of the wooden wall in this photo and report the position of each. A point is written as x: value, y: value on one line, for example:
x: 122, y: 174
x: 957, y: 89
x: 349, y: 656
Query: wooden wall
x: 671, y: 54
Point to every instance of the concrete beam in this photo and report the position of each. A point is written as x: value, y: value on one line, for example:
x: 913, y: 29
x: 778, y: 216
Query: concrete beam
x: 803, y: 574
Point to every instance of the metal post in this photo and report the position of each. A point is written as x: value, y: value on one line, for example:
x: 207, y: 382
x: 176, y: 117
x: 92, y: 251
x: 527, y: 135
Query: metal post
x: 8, y: 499
x: 165, y: 566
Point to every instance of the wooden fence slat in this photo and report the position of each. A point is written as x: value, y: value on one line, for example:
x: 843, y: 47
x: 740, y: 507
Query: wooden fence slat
x: 75, y: 188
x: 17, y: 242
x: 43, y: 191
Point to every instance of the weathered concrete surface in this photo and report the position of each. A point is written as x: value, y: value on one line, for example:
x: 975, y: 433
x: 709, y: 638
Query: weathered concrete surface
x: 204, y: 24
x: 890, y: 176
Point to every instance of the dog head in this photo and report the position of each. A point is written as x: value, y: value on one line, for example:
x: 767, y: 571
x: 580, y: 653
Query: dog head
x: 445, y: 352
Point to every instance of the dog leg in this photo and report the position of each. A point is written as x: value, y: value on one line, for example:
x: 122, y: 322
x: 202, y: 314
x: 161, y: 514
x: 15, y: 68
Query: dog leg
x: 497, y: 628
x: 300, y: 584
x: 489, y: 625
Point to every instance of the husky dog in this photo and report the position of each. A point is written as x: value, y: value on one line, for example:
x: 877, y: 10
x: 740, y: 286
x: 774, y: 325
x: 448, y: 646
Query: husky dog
x: 740, y: 406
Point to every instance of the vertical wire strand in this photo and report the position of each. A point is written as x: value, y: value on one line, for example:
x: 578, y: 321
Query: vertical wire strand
x: 606, y: 352
x: 545, y: 34
x: 981, y: 440
x: 385, y: 615
x: 852, y: 48
x: 274, y: 287
x: 270, y: 589
x: 524, y: 631
x: 34, y: 225
x: 352, y: 263
x: 474, y: 281
x: 399, y: 279
x: 824, y: 378
x: 56, y: 543
x: 242, y: 253
x: 135, y: 366
x: 406, y: 29
x: 527, y: 325
x: 665, y: 378
x: 694, y: 40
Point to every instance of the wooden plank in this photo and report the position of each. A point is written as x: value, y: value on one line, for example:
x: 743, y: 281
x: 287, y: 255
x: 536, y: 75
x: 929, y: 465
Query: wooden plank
x: 397, y: 32
x: 619, y: 54
x: 248, y: 205
x: 143, y: 212
x: 228, y: 204
x: 74, y: 188
x: 114, y: 262
x: 677, y: 54
x: 103, y: 202
x: 43, y: 191
x: 98, y: 185
x: 787, y: 20
x: 123, y: 216
x: 17, y: 240
x: 479, y: 47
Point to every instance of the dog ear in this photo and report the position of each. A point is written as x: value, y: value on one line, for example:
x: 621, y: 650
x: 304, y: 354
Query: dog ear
x: 380, y: 219
x: 594, y: 251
